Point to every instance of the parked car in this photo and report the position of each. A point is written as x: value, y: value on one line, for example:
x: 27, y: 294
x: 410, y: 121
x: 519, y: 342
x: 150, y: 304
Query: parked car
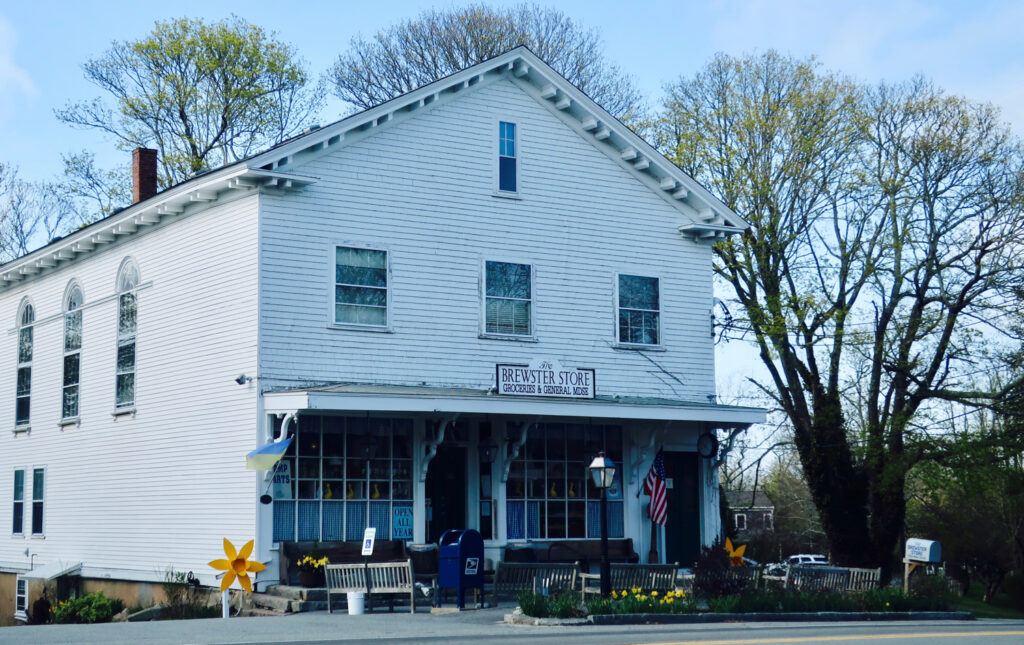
x: 807, y: 560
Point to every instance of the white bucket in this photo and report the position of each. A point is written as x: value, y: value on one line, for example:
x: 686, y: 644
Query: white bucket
x: 356, y: 603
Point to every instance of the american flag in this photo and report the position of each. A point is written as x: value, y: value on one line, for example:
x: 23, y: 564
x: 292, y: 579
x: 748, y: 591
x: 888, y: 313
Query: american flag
x: 654, y: 486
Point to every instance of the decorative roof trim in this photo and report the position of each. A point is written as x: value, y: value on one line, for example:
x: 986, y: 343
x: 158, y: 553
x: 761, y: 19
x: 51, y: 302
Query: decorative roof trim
x: 547, y: 86
x: 184, y: 198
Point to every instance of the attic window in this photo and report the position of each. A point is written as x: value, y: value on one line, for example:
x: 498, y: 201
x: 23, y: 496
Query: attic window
x: 507, y: 157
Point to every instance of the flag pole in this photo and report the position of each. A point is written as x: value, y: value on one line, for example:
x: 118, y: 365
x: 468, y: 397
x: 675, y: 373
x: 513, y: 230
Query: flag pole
x: 652, y: 555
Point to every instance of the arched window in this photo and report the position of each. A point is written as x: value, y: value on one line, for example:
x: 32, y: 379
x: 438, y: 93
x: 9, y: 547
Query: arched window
x: 26, y: 319
x: 73, y: 302
x: 127, y: 314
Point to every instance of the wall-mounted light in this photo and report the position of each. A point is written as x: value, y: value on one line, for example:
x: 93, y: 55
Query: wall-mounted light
x: 243, y: 379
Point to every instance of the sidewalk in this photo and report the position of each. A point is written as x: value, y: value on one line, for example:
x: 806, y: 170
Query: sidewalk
x: 308, y: 627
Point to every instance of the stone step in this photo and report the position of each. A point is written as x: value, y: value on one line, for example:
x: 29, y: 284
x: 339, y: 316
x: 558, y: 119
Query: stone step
x: 274, y: 603
x: 297, y: 593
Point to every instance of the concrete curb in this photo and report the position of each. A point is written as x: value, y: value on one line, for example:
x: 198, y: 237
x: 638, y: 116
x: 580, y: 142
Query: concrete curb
x: 668, y: 619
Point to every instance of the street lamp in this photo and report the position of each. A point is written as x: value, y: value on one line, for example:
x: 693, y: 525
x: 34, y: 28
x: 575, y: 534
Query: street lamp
x: 602, y: 470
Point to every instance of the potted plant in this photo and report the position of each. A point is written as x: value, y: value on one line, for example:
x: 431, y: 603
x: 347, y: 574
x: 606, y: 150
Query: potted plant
x: 311, y: 570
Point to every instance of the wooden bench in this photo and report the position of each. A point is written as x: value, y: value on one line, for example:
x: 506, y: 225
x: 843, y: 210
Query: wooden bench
x: 649, y: 577
x: 516, y: 577
x: 864, y: 579
x: 373, y: 578
x: 817, y: 579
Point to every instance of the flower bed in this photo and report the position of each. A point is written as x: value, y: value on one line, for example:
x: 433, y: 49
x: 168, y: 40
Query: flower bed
x: 637, y: 601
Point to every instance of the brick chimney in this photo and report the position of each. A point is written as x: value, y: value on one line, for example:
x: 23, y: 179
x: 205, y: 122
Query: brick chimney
x: 143, y: 174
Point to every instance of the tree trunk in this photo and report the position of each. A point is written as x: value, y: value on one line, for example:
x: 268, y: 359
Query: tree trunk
x: 836, y: 484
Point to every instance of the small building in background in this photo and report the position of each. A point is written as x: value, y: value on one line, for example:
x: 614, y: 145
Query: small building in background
x: 750, y: 513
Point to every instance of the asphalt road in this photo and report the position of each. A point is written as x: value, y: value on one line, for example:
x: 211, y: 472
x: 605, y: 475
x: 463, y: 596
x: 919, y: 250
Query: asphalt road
x: 483, y: 628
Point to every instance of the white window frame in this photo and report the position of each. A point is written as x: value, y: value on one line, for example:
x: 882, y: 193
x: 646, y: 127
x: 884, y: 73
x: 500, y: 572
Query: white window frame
x: 34, y: 501
x: 20, y: 597
x: 72, y: 287
x: 25, y: 305
x: 15, y: 501
x: 125, y: 339
x: 532, y: 336
x: 496, y: 151
x: 389, y: 286
x: 618, y: 342
x: 738, y: 519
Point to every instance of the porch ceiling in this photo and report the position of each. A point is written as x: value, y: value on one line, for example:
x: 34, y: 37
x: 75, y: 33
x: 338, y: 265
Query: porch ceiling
x: 351, y: 397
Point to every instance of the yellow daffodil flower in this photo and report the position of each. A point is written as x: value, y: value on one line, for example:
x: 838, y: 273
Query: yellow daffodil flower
x: 237, y: 565
x: 735, y: 555
x: 654, y: 593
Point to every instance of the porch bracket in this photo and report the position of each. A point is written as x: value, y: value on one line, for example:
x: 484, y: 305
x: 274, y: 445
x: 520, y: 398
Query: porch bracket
x: 512, y: 450
x: 432, y: 446
x: 657, y: 437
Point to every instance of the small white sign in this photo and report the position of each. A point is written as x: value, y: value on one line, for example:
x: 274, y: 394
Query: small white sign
x: 369, y: 535
x: 472, y: 566
x: 545, y: 377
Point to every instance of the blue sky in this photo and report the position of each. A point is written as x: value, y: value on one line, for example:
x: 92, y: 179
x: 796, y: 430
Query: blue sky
x: 971, y: 48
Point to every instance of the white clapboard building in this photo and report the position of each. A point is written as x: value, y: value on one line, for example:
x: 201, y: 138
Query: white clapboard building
x: 451, y: 302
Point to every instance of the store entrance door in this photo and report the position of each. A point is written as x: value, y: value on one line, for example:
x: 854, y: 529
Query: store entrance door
x: 446, y: 491
x: 682, y: 528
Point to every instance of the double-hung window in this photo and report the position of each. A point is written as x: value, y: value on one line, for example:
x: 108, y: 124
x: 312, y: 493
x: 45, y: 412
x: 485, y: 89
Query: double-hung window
x: 20, y: 597
x: 24, y: 388
x: 508, y: 296
x: 18, y: 522
x: 360, y: 287
x: 38, y: 497
x: 507, y: 171
x: 72, y: 352
x: 639, y: 310
x: 127, y: 317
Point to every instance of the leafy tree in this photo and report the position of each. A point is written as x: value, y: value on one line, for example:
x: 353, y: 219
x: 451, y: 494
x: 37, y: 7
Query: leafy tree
x: 97, y: 192
x: 972, y: 501
x: 885, y: 235
x: 201, y: 94
x: 437, y: 43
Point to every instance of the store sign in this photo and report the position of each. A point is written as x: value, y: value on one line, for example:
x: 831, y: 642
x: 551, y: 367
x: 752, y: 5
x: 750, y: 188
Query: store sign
x: 545, y: 377
x: 401, y: 523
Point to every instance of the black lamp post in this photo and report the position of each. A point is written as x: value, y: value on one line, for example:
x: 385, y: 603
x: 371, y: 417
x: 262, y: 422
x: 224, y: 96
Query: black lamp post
x: 603, y: 471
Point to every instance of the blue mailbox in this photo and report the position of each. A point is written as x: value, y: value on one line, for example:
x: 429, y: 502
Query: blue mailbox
x: 460, y: 563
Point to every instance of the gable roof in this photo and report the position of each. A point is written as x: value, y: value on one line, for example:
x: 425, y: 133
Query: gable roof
x: 279, y: 168
x: 740, y: 500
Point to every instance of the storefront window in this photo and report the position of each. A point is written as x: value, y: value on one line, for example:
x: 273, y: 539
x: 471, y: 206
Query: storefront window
x: 550, y: 494
x: 342, y: 475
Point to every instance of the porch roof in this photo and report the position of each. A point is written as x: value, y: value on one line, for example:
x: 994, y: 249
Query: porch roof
x: 362, y: 397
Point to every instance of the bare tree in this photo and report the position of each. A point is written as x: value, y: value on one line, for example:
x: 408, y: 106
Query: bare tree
x: 31, y: 214
x: 437, y: 43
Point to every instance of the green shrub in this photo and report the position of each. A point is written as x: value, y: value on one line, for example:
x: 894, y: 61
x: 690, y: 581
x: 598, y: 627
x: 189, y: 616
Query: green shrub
x: 565, y: 604
x: 91, y: 608
x: 714, y: 576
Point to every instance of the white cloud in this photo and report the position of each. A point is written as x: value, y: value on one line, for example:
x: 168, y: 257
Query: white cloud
x: 14, y: 81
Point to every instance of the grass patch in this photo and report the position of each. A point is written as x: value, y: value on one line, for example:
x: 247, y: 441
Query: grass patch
x: 1000, y: 608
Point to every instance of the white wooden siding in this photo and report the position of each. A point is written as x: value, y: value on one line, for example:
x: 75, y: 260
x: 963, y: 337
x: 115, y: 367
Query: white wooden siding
x: 424, y: 189
x: 163, y: 488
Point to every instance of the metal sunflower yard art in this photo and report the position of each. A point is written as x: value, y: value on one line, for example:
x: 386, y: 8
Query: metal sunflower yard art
x: 237, y: 565
x: 735, y: 555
